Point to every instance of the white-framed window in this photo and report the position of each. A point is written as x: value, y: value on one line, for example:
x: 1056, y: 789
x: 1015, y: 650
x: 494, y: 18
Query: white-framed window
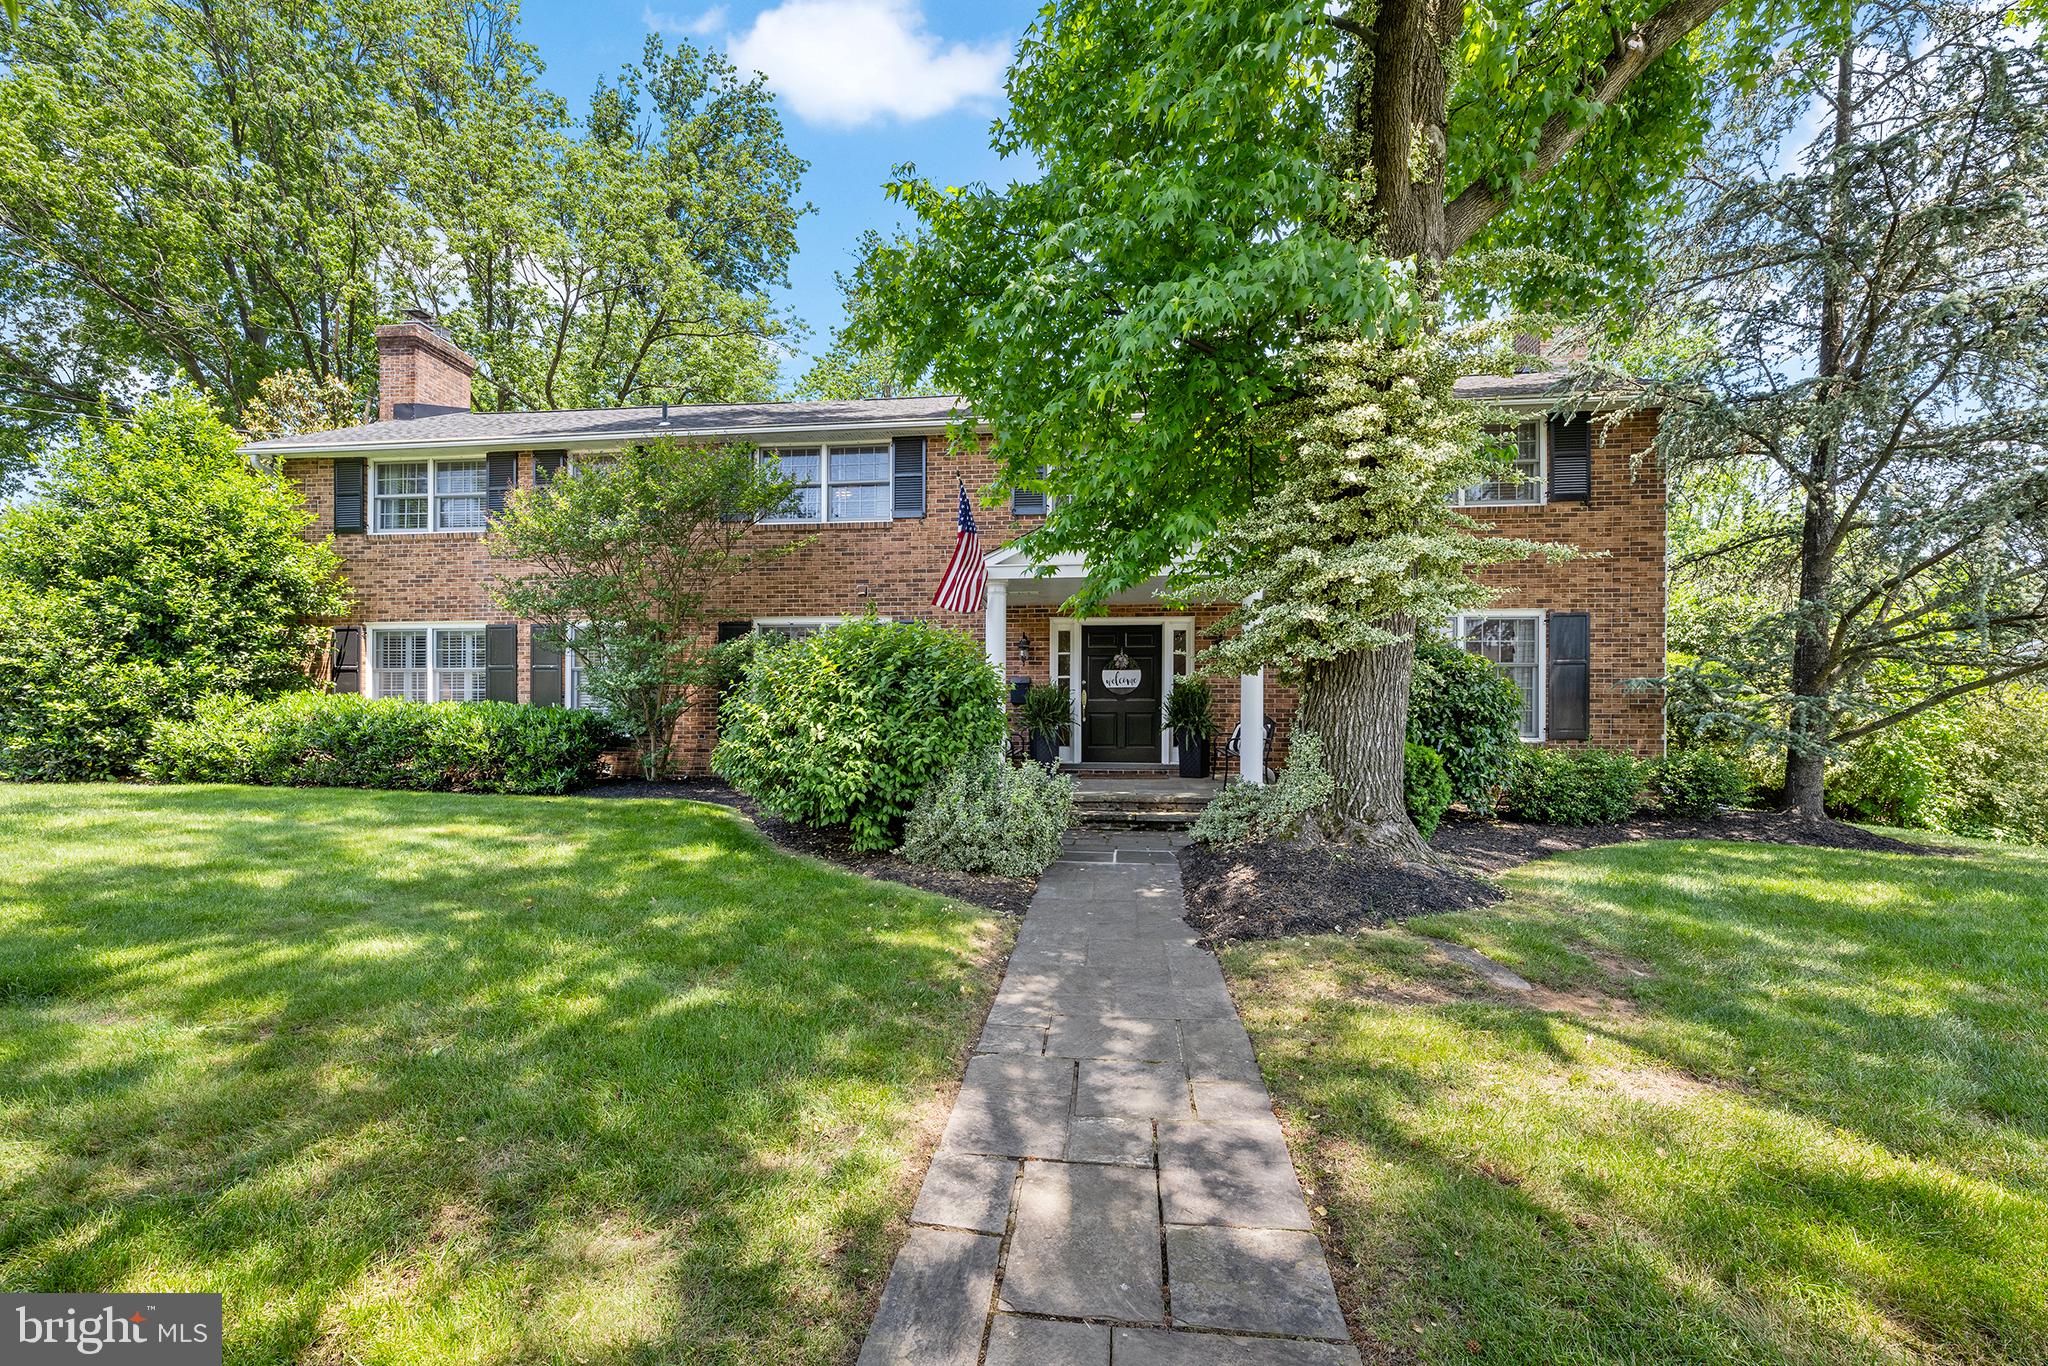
x: 427, y: 663
x: 794, y: 628
x: 1514, y: 642
x: 1525, y: 483
x: 841, y: 482
x: 428, y: 495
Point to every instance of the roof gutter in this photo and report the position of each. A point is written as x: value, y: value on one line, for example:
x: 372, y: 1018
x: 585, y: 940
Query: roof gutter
x: 598, y: 440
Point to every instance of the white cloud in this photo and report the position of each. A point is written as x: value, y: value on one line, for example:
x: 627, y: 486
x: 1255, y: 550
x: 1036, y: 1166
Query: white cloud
x: 661, y: 21
x: 851, y: 62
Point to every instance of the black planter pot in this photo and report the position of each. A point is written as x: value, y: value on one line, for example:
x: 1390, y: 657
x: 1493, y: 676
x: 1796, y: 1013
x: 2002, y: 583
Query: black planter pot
x: 1194, y: 756
x: 1044, y: 750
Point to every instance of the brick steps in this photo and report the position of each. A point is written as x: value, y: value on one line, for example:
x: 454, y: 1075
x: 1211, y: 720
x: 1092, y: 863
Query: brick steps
x: 1128, y: 802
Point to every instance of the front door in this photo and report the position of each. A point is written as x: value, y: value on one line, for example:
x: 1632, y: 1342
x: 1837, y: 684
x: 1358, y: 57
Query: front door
x: 1120, y: 708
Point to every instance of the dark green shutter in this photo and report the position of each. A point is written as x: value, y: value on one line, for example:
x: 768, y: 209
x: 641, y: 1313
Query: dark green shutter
x: 908, y: 488
x: 544, y: 668
x: 501, y: 663
x: 1571, y: 459
x: 733, y: 630
x: 501, y: 472
x: 1570, y: 652
x: 345, y: 668
x: 546, y: 465
x: 349, y: 476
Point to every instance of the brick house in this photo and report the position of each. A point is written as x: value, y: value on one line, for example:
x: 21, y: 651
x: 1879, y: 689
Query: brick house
x: 407, y: 496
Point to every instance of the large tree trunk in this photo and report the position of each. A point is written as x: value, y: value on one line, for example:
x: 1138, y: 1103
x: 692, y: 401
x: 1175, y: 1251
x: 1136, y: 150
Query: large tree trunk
x: 1357, y: 704
x: 1812, y: 718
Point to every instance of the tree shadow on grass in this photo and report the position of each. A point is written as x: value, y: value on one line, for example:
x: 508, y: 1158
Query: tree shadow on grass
x: 384, y: 1067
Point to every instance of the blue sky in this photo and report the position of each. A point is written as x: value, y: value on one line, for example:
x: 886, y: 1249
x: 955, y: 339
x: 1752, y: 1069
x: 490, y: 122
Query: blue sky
x: 863, y: 85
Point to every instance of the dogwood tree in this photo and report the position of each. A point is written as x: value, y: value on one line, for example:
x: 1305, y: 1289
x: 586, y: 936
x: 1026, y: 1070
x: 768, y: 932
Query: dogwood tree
x: 1223, y: 186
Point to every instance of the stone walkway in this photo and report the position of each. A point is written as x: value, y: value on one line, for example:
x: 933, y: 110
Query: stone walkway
x: 1112, y: 1186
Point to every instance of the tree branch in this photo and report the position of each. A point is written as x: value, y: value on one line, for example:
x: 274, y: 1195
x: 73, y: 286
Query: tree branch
x: 1936, y: 699
x: 1633, y: 52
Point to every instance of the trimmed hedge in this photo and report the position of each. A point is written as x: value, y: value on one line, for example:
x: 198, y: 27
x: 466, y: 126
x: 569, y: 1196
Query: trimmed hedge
x: 1573, y: 787
x: 341, y: 740
x: 846, y: 727
x: 1426, y: 787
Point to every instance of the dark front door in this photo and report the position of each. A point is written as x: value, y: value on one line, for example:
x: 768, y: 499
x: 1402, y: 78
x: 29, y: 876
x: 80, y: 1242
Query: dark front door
x: 1120, y: 717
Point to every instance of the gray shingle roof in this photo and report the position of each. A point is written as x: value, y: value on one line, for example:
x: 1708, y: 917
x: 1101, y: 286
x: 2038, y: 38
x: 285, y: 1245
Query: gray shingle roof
x: 604, y: 426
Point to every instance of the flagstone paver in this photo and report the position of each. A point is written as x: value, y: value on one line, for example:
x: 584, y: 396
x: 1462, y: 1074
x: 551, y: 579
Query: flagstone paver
x: 1112, y: 1188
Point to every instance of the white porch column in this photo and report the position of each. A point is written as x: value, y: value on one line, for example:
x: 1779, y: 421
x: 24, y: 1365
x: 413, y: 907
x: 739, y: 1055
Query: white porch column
x: 995, y: 627
x: 1251, y: 713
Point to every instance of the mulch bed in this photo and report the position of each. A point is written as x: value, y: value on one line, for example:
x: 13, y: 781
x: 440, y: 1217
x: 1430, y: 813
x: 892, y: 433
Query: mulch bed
x: 1266, y: 891
x: 1008, y: 895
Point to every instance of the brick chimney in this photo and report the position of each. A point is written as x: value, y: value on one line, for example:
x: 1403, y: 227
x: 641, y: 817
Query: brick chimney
x: 420, y: 372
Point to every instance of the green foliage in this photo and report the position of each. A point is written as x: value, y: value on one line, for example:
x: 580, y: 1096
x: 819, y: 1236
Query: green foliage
x: 846, y: 727
x: 1463, y: 708
x: 1696, y: 782
x: 1995, y: 767
x: 343, y: 740
x: 153, y: 567
x: 862, y: 362
x: 1361, y: 535
x: 984, y: 815
x: 629, y: 553
x: 214, y: 191
x: 1859, y: 509
x: 1573, y: 786
x: 1190, y: 708
x: 1426, y: 786
x: 1047, y: 712
x: 1280, y: 810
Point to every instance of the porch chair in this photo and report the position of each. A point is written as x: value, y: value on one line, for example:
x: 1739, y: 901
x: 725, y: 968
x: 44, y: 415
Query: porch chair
x: 1233, y: 746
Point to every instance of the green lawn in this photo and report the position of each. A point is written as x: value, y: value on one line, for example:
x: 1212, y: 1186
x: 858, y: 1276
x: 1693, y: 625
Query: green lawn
x: 420, y: 1079
x: 1784, y: 1105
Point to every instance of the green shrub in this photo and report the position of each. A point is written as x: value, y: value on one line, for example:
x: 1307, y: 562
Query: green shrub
x: 342, y: 740
x: 1697, y: 782
x: 846, y: 727
x: 1190, y: 709
x: 985, y: 816
x: 1573, y: 787
x: 152, y: 567
x: 1244, y: 812
x: 1427, y: 788
x: 1047, y: 713
x: 1463, y: 708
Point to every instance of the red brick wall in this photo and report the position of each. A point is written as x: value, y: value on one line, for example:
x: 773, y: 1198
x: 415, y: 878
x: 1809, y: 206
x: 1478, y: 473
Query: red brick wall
x: 416, y: 365
x: 844, y: 569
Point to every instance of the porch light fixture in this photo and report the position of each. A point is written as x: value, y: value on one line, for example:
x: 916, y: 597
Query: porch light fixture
x: 1024, y: 649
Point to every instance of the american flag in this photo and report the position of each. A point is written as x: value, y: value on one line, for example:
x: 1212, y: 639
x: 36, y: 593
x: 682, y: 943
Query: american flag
x: 961, y: 587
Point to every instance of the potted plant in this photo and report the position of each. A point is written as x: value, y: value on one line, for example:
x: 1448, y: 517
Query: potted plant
x: 1193, y: 725
x: 1047, y: 713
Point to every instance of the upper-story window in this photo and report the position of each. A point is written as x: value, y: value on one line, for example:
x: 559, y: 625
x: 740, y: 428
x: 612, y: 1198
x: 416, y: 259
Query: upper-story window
x: 835, y: 483
x: 429, y: 495
x: 1525, y: 484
